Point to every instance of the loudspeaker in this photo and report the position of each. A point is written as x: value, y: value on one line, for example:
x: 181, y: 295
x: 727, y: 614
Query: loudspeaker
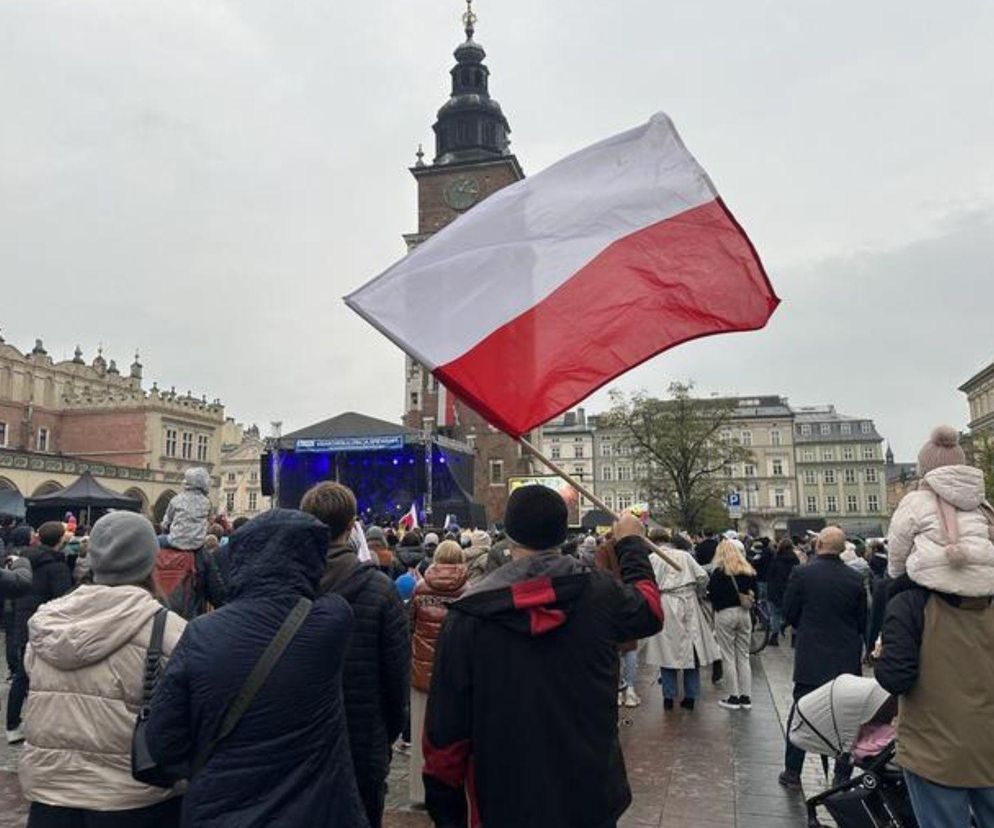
x: 266, y: 473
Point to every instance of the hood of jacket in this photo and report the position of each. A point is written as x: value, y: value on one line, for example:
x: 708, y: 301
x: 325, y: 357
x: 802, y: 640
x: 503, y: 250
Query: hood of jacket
x: 441, y: 577
x: 89, y: 624
x: 197, y: 480
x: 531, y: 596
x: 282, y: 552
x: 962, y: 486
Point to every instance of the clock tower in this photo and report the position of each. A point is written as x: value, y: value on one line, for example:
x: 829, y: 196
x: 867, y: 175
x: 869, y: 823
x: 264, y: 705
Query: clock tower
x: 472, y: 160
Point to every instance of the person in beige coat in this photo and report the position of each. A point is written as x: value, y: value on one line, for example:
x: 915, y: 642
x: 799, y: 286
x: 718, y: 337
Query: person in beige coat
x: 86, y: 658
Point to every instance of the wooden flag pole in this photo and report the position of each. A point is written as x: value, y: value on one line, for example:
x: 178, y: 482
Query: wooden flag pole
x: 576, y: 484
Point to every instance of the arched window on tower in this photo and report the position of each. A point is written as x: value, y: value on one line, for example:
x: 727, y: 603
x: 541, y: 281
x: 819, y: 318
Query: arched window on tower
x: 466, y: 74
x: 462, y: 133
x: 490, y: 134
x: 478, y: 79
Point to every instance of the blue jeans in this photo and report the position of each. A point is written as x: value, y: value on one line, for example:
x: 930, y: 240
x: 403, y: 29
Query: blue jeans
x: 691, y: 683
x: 629, y: 668
x: 776, y: 618
x: 937, y: 806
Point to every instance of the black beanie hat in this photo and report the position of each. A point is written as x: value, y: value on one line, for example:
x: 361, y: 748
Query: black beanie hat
x: 536, y: 518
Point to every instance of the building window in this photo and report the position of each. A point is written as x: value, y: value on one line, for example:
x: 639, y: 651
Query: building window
x: 846, y: 428
x: 556, y: 453
x: 578, y: 472
x: 828, y: 455
x: 869, y: 453
x: 777, y: 467
x: 606, y: 449
x: 170, y: 442
x: 607, y: 473
x: 202, y: 447
x: 3, y: 434
x: 830, y: 476
x: 810, y: 478
x: 849, y: 475
x: 831, y: 504
x: 848, y: 453
x: 746, y: 438
x: 725, y: 436
x: 871, y: 476
x: 812, y: 503
x: 779, y: 498
x: 254, y: 476
x: 750, y: 470
x: 578, y: 451
x: 229, y: 502
x: 808, y: 455
x: 826, y: 429
x: 872, y: 503
x: 624, y: 501
x: 415, y: 400
x: 624, y: 472
x: 496, y: 472
x: 253, y: 501
x: 728, y: 471
x: 852, y: 503
x: 776, y: 438
x: 806, y: 430
x: 609, y: 501
x: 866, y: 428
x: 231, y: 477
x: 187, y: 446
x: 42, y: 439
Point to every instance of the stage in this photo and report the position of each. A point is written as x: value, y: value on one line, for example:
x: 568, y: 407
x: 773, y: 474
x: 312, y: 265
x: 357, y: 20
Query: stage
x: 385, y: 464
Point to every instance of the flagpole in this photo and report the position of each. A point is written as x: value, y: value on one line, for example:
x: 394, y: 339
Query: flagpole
x: 576, y: 484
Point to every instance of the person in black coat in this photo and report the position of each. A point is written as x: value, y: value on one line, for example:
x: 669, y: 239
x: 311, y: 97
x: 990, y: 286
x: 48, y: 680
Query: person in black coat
x: 826, y: 604
x: 377, y: 678
x: 286, y: 762
x: 50, y: 578
x: 522, y: 715
x: 778, y: 574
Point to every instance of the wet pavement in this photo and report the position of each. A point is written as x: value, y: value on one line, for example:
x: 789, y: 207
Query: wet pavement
x: 712, y: 768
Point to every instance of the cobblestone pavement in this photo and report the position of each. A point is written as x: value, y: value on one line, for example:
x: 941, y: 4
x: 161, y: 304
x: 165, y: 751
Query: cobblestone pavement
x: 710, y: 769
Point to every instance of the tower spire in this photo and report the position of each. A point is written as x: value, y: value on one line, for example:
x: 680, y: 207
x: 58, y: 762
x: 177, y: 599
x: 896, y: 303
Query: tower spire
x: 469, y: 20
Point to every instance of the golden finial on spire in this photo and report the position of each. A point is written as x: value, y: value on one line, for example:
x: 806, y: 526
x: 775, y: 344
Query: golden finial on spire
x: 469, y: 19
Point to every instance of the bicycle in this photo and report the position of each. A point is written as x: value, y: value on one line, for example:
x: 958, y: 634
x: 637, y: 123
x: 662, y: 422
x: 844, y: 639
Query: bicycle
x: 762, y: 627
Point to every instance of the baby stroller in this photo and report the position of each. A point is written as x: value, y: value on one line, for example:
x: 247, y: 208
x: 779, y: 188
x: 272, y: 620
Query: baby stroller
x: 847, y: 717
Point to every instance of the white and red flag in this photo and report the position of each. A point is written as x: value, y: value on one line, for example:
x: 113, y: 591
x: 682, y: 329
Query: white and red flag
x: 554, y: 286
x: 410, y: 520
x: 446, y: 414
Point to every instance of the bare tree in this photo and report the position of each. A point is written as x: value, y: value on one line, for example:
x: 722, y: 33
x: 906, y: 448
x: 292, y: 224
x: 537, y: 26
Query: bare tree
x: 679, y: 442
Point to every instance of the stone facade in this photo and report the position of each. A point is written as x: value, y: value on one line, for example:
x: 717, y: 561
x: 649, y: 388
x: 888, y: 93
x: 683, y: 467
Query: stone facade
x: 59, y: 419
x: 618, y: 480
x: 979, y: 390
x: 766, y: 484
x: 241, y: 487
x: 569, y: 441
x: 840, y: 470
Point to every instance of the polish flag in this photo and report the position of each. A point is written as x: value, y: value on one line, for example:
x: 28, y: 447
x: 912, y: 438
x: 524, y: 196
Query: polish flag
x: 446, y: 415
x: 556, y: 285
x: 410, y: 520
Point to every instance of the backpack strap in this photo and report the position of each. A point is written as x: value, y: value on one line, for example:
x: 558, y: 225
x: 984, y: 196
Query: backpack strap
x: 153, y: 661
x: 260, y: 672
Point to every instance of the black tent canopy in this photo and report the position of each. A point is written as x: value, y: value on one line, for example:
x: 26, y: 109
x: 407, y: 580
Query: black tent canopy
x: 11, y: 504
x: 85, y: 493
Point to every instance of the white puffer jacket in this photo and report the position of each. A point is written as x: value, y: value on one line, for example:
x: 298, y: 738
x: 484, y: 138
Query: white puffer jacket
x: 918, y: 544
x: 86, y: 659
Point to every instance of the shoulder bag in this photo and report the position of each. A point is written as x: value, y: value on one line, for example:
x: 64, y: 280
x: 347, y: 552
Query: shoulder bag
x: 746, y: 599
x: 143, y: 766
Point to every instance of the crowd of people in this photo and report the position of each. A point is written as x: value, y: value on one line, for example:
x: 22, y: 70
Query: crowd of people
x: 265, y: 672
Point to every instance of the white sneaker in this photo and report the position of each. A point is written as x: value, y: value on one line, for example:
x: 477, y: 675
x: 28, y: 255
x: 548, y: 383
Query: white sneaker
x: 15, y: 737
x: 631, y: 698
x: 621, y: 698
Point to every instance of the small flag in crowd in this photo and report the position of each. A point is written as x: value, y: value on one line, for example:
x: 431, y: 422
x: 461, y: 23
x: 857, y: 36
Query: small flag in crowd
x: 410, y: 520
x: 557, y: 284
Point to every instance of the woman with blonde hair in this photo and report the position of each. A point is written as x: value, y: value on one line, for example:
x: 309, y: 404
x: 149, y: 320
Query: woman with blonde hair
x: 444, y: 582
x: 732, y: 590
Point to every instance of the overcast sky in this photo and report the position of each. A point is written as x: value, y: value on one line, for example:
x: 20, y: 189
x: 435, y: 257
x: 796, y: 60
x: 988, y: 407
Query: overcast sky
x: 205, y: 180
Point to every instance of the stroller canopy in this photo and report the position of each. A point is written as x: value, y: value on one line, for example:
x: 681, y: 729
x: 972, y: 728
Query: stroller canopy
x: 828, y: 720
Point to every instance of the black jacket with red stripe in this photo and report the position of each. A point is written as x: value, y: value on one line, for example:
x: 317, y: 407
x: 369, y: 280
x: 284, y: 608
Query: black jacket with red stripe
x: 522, y: 713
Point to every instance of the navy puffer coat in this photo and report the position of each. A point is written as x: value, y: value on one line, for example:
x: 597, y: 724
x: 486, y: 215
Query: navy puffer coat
x: 287, y: 762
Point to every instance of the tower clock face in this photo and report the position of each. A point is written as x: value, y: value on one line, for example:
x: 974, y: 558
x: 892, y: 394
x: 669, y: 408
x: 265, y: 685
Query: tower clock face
x: 461, y: 192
